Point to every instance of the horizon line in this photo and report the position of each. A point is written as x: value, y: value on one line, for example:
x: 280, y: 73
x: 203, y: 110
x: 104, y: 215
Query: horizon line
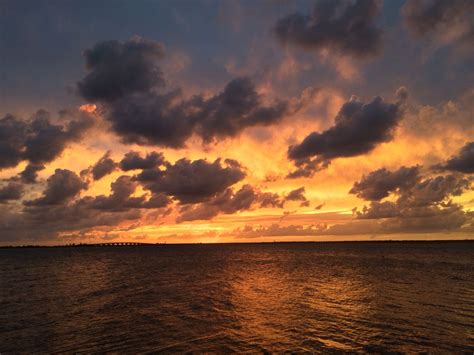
x: 138, y: 244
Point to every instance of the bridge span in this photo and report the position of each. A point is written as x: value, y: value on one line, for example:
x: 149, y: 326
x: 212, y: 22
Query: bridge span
x: 110, y: 244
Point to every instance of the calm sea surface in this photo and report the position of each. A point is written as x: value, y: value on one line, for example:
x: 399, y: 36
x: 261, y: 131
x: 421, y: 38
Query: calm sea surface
x: 299, y: 297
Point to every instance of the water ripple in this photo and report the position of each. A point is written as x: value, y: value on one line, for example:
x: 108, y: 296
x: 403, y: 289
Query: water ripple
x: 297, y: 298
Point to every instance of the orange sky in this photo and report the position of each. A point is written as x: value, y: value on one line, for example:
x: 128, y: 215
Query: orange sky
x: 315, y: 82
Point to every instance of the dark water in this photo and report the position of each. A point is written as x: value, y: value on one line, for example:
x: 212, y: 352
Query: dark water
x: 244, y: 298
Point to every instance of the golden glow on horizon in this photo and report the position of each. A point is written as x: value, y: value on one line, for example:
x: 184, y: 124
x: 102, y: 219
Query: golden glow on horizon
x: 262, y: 151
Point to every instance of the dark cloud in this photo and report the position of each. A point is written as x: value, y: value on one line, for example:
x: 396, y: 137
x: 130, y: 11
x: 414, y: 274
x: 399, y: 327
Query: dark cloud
x: 420, y: 204
x: 200, y: 187
x: 57, y: 213
x: 393, y: 217
x: 463, y: 162
x: 152, y: 119
x: 30, y: 173
x: 298, y: 195
x: 435, y: 190
x: 439, y: 17
x: 271, y: 199
x: 12, y: 141
x: 52, y: 222
x: 203, y: 189
x: 227, y: 202
x: 169, y: 119
x: 237, y: 107
x: 38, y: 140
x: 121, y: 198
x: 377, y: 209
x: 61, y: 187
x: 358, y: 129
x: 116, y: 69
x: 417, y: 204
x: 46, y: 141
x: 103, y: 167
x: 125, y: 79
x: 380, y: 183
x: 230, y: 202
x: 192, y: 181
x: 133, y: 161
x: 409, y: 186
x: 11, y: 192
x: 344, y: 27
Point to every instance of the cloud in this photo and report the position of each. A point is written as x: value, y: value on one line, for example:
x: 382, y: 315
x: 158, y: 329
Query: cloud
x: 125, y: 79
x: 61, y: 187
x: 380, y: 183
x: 230, y: 202
x: 103, y: 167
x: 271, y: 199
x: 227, y: 202
x: 435, y: 190
x: 201, y: 188
x: 358, y: 129
x: 463, y: 162
x: 30, y: 173
x: 11, y: 192
x: 38, y: 140
x: 12, y: 141
x: 116, y: 69
x: 133, y: 161
x: 410, y: 186
x: 152, y: 119
x: 50, y: 222
x: 418, y: 204
x: 237, y: 107
x: 429, y: 121
x: 428, y: 219
x: 192, y: 181
x: 45, y: 141
x: 59, y: 211
x: 298, y: 195
x: 343, y: 27
x: 121, y: 198
x: 445, y: 20
x: 407, y: 203
x: 169, y: 119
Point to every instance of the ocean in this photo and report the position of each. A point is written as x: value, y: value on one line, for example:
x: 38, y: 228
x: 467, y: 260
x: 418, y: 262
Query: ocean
x: 271, y: 297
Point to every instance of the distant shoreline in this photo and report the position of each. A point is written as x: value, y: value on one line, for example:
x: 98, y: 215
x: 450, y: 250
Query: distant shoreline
x: 132, y: 244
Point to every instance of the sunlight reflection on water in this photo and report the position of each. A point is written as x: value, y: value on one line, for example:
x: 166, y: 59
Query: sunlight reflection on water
x: 216, y: 298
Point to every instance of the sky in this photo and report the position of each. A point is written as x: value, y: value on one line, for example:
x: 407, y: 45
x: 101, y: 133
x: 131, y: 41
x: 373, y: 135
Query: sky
x: 236, y: 121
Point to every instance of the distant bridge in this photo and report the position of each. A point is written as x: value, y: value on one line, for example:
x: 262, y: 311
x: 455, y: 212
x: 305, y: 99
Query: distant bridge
x: 110, y: 244
x: 73, y: 245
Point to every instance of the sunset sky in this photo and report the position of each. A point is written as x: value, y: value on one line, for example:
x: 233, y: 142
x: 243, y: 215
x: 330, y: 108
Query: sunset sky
x: 236, y: 121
